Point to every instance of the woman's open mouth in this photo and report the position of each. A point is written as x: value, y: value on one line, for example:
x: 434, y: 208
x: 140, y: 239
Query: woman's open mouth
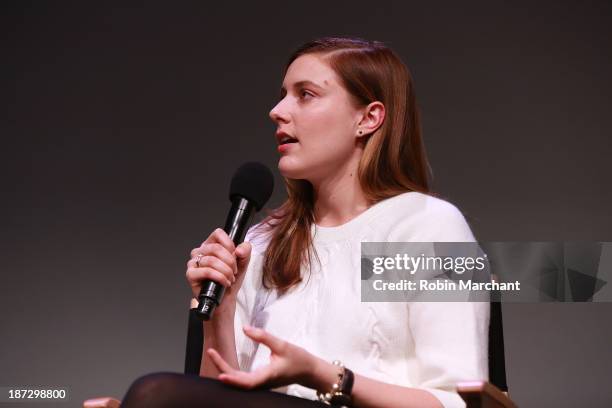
x: 285, y: 141
x: 283, y: 147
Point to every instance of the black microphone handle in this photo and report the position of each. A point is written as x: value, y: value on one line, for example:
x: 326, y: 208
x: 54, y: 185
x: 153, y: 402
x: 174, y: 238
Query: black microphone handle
x: 236, y: 226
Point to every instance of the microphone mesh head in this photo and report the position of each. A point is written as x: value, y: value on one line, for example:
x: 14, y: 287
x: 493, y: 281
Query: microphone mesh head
x: 253, y: 181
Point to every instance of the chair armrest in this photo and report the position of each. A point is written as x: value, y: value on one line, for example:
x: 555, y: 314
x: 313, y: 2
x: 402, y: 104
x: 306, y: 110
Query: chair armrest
x: 481, y: 394
x: 105, y: 402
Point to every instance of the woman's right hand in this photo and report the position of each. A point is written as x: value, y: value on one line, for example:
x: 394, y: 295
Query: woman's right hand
x: 218, y: 259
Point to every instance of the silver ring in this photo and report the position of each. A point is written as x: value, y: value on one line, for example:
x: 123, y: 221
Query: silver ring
x: 199, y: 258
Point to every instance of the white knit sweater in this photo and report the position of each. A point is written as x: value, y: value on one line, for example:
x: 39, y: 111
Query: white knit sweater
x: 425, y: 345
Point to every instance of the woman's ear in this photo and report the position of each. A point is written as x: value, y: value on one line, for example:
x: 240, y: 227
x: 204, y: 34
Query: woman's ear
x: 372, y: 118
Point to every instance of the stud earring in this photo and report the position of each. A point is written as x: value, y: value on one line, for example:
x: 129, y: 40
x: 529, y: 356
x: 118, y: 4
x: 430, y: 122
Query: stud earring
x: 360, y: 132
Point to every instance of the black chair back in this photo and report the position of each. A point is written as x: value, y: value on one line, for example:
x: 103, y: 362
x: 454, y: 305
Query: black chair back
x: 497, y: 360
x: 195, y: 342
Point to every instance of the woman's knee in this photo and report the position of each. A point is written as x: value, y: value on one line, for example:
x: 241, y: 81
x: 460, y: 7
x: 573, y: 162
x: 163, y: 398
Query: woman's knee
x: 149, y: 390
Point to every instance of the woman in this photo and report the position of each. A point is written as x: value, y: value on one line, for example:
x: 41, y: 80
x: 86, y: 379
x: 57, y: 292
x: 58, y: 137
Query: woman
x: 352, y: 155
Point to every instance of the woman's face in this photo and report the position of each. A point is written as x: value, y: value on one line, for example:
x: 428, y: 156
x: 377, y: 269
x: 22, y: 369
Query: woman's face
x: 318, y: 112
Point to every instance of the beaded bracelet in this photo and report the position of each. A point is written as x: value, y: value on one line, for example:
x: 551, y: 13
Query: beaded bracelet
x: 340, y: 394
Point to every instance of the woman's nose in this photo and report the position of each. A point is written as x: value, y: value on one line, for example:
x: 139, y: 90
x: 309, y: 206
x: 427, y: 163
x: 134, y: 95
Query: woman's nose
x: 277, y: 114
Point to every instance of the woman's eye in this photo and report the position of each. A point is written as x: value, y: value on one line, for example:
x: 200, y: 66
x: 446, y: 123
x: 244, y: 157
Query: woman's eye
x: 304, y: 93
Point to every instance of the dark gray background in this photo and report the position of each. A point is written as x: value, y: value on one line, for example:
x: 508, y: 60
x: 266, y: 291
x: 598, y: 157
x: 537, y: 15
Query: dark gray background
x: 122, y: 126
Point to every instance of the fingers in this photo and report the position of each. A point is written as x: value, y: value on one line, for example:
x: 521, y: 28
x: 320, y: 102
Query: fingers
x: 276, y: 345
x: 211, y: 261
x: 217, y: 259
x: 263, y: 376
x: 213, y: 250
x: 248, y: 380
x: 232, y: 376
x: 220, y: 237
x: 229, y: 375
x: 195, y: 276
x: 243, y: 254
x: 221, y: 364
x: 106, y: 402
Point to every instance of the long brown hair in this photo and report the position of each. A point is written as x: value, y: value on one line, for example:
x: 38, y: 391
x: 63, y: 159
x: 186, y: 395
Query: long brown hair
x: 393, y: 161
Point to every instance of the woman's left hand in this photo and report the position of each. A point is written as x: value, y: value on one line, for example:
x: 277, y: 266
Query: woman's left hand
x: 289, y: 364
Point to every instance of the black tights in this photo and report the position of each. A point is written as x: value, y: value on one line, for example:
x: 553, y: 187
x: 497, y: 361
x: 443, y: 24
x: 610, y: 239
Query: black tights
x: 162, y: 390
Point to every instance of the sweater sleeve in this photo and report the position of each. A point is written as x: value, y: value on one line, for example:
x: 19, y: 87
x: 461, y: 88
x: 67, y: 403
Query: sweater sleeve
x: 450, y: 346
x: 450, y: 338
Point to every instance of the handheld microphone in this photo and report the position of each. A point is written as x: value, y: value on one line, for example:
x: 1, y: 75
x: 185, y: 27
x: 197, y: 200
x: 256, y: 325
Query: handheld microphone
x: 250, y: 190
